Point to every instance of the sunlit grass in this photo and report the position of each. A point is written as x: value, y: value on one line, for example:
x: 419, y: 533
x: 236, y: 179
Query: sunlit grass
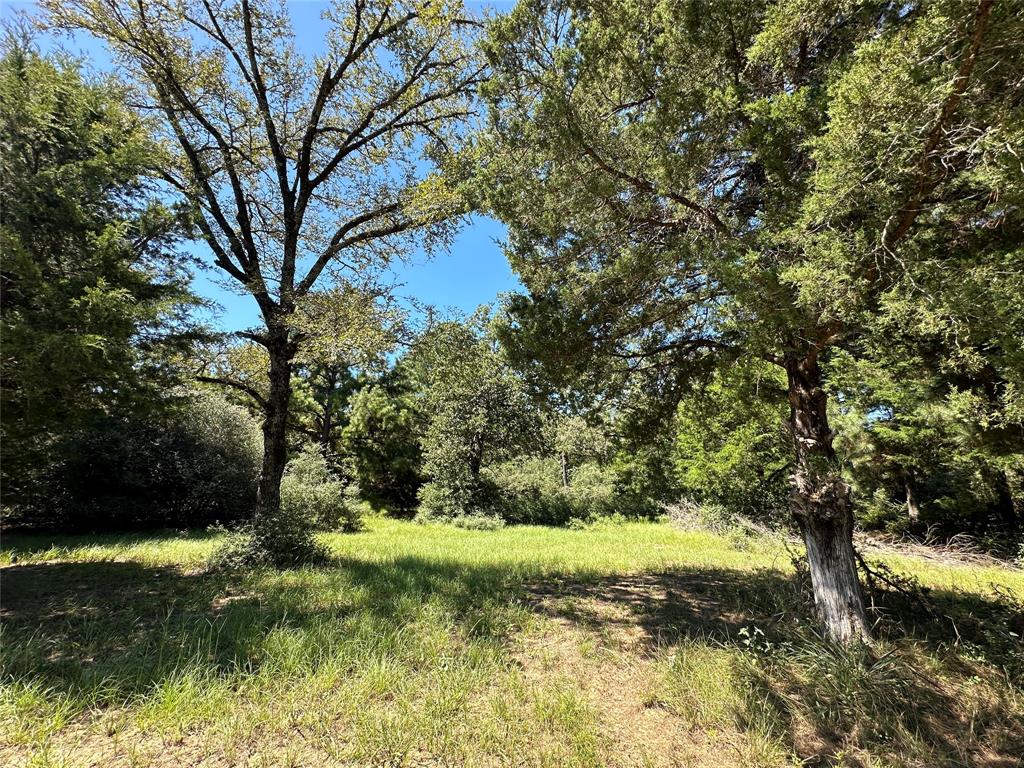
x: 613, y: 645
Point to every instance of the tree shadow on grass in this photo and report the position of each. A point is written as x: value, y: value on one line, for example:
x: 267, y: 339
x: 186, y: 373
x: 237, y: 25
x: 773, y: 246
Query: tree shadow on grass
x: 922, y: 700
x: 105, y: 632
x: 708, y: 604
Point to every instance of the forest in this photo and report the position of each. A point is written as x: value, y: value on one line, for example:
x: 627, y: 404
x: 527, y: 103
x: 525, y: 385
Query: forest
x: 734, y: 475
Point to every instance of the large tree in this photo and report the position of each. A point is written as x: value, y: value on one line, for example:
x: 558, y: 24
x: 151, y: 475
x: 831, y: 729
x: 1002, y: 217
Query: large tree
x: 687, y: 182
x: 299, y: 166
x: 94, y: 299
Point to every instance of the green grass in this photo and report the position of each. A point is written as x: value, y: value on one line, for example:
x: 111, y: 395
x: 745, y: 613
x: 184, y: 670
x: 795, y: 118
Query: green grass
x: 629, y: 644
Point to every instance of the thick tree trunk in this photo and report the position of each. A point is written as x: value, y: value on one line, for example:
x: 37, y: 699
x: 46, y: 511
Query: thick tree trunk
x: 565, y: 469
x: 275, y: 424
x: 822, y: 506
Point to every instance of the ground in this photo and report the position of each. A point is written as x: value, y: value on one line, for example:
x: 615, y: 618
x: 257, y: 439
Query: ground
x: 420, y: 645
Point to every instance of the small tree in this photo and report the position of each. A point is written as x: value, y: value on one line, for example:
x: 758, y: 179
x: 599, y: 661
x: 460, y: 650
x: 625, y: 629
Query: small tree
x: 574, y: 440
x: 476, y: 410
x: 297, y: 166
x: 381, y: 442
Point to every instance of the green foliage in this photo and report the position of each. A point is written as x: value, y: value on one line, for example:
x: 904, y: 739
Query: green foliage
x: 193, y: 466
x: 731, y: 447
x: 94, y: 294
x: 313, y: 500
x: 310, y: 492
x: 285, y: 542
x: 529, y: 490
x: 928, y: 449
x: 381, y: 444
x: 476, y: 410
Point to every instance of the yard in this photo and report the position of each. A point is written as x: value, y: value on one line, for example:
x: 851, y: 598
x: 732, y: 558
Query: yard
x: 619, y: 644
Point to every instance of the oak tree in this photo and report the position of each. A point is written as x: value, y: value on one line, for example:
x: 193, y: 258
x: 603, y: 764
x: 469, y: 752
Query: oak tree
x: 300, y: 167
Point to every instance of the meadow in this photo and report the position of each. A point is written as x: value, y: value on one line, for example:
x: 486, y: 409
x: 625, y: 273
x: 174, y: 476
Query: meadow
x: 618, y: 644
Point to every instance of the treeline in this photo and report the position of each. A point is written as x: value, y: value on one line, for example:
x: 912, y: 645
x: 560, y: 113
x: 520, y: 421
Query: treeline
x: 116, y: 413
x: 771, y: 257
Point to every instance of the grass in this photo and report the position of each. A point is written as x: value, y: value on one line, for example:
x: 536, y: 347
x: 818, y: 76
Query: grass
x: 620, y: 645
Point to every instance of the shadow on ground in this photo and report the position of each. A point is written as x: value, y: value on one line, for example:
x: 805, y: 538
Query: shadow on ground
x: 107, y: 631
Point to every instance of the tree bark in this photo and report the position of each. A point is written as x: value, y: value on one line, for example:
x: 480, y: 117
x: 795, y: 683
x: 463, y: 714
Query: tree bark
x: 913, y: 508
x: 275, y: 424
x: 822, y: 506
x: 565, y: 469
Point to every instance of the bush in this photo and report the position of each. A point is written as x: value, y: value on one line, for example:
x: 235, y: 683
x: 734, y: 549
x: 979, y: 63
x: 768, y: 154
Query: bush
x: 707, y: 516
x: 478, y: 521
x: 731, y: 446
x: 312, y: 499
x: 530, y: 491
x: 312, y: 496
x: 192, y: 467
x: 284, y: 544
x: 455, y: 496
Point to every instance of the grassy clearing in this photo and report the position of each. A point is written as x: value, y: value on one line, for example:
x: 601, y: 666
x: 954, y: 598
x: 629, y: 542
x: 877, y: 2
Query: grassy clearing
x: 634, y: 644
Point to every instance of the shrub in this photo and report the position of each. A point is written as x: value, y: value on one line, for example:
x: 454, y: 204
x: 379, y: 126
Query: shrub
x: 731, y: 445
x: 312, y: 499
x: 455, y: 495
x: 192, y: 467
x: 530, y: 491
x: 285, y: 543
x: 478, y: 521
x: 311, y: 495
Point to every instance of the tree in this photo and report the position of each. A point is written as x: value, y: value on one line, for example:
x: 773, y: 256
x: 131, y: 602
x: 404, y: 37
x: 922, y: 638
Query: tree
x: 687, y: 185
x: 297, y: 166
x: 476, y: 410
x: 574, y: 440
x: 346, y: 335
x: 94, y: 298
x: 381, y: 441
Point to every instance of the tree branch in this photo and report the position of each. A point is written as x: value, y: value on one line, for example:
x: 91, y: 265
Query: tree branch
x: 899, y: 224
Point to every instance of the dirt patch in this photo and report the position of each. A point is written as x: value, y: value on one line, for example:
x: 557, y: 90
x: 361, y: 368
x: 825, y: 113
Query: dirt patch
x: 644, y: 612
x: 603, y: 638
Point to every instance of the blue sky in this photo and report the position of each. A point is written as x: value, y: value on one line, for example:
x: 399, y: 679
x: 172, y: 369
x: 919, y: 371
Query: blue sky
x: 473, y: 272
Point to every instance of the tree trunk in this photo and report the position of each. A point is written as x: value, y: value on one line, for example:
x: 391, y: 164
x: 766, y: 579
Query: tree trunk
x: 913, y: 508
x: 275, y: 424
x: 327, y: 423
x: 822, y: 506
x: 476, y: 454
x: 1006, y: 503
x: 565, y: 469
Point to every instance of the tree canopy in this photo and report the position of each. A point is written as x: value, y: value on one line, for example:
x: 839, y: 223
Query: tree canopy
x: 768, y: 180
